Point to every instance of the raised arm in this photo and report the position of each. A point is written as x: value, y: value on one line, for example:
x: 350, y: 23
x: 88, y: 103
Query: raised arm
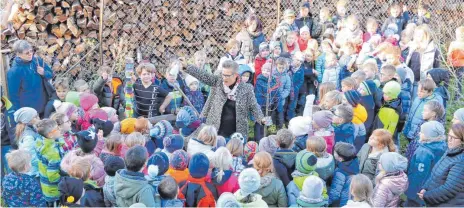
x: 203, y: 76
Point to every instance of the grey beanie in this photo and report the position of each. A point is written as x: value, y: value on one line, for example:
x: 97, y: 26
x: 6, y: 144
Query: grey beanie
x: 25, y: 115
x: 268, y: 144
x: 249, y: 181
x: 459, y: 114
x: 432, y: 129
x: 392, y: 161
x: 227, y: 200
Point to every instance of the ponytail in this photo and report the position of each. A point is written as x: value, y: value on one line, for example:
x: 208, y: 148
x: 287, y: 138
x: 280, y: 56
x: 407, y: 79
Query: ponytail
x: 391, y: 146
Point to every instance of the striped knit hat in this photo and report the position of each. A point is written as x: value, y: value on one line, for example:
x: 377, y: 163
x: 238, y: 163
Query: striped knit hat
x: 305, y: 161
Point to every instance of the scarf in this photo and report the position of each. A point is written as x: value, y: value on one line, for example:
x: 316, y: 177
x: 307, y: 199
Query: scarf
x: 231, y: 93
x: 266, y: 180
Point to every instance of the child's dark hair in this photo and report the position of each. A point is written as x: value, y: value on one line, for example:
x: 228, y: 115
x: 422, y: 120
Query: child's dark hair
x: 345, y: 112
x: 284, y: 138
x: 168, y: 188
x: 113, y: 164
x: 135, y: 158
x: 44, y: 127
x: 345, y: 150
x: 282, y: 60
x: 437, y: 108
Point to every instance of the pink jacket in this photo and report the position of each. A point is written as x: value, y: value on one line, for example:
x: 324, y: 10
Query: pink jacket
x: 387, y: 192
x: 97, y: 171
x: 229, y: 185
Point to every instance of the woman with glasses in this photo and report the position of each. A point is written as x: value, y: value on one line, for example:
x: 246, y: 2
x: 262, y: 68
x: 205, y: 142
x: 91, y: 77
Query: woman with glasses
x: 445, y: 186
x: 27, y: 79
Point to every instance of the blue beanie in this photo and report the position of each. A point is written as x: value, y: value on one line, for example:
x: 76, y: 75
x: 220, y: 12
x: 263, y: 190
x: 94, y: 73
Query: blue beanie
x: 161, y: 129
x: 185, y: 117
x: 158, y: 164
x: 199, y: 165
x: 173, y: 142
x: 353, y: 97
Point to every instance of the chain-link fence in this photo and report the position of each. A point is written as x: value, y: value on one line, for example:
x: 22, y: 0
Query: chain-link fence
x: 157, y: 31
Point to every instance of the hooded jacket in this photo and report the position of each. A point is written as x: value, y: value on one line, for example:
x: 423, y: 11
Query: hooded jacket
x: 250, y: 43
x: 441, y: 77
x: 428, y: 59
x: 93, y: 196
x: 27, y: 142
x: 368, y: 162
x: 261, y: 90
x: 414, y: 119
x: 25, y: 86
x: 259, y: 62
x: 340, y: 188
x: 421, y: 164
x: 7, y: 123
x: 172, y: 203
x: 320, y: 66
x: 108, y: 191
x: 273, y: 191
x: 197, y: 146
x: 387, y: 192
x: 389, y: 116
x: 444, y: 186
x: 297, y: 79
x: 325, y: 166
x: 22, y: 190
x: 228, y: 183
x: 331, y: 74
x: 296, y: 185
x: 257, y: 200
x: 194, y: 192
x: 132, y: 187
x: 284, y: 164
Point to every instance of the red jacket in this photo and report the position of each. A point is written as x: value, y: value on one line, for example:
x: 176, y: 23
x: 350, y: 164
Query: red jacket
x: 259, y: 62
x: 303, y: 44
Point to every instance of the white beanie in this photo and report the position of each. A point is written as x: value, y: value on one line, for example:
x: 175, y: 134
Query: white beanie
x: 304, y: 29
x: 300, y: 125
x: 312, y: 189
x: 249, y: 181
x: 190, y: 79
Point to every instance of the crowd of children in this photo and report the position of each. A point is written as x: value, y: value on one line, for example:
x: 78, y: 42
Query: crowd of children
x: 340, y: 99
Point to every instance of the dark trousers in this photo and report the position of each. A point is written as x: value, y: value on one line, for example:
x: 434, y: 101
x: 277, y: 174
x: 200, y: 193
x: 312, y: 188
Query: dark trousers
x: 259, y: 128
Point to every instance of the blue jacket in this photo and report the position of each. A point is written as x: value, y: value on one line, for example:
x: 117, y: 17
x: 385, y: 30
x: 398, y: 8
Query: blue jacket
x: 25, y: 86
x: 445, y: 184
x: 344, y: 133
x: 405, y: 96
x: 286, y: 87
x: 414, y: 119
x: 441, y: 77
x: 284, y: 165
x: 297, y: 78
x: 299, y: 143
x: 196, y: 98
x: 344, y: 73
x: 339, y: 193
x: 320, y: 66
x: 421, y: 164
x: 256, y: 41
x: 309, y: 77
x: 261, y: 91
x: 177, y: 100
x: 400, y: 22
x: 369, y: 103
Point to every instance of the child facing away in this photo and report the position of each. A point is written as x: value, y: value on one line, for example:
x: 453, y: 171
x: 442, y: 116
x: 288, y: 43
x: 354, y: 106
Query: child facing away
x: 343, y: 126
x: 93, y: 194
x: 271, y: 189
x: 325, y: 162
x: 109, y: 89
x: 249, y: 181
x: 168, y: 191
x: 157, y: 164
x: 284, y: 158
x: 19, y: 188
x: 113, y: 147
x: 49, y: 158
x: 313, y: 193
x: 392, y: 180
x: 432, y: 146
x: 235, y: 146
x: 178, y: 166
x: 72, y: 191
x: 361, y: 190
x: 389, y: 115
x: 396, y: 18
x: 112, y: 164
x: 148, y: 96
x: 222, y: 175
x: 130, y: 185
x: 196, y: 191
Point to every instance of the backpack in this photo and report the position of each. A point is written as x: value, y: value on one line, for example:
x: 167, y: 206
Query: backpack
x: 207, y: 201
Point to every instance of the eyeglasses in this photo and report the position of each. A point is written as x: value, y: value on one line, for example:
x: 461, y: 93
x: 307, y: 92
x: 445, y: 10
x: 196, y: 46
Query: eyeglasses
x: 29, y: 52
x: 452, y: 137
x: 227, y: 75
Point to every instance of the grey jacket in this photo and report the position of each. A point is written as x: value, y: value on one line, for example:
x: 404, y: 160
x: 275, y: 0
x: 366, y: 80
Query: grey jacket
x: 246, y: 101
x: 108, y: 191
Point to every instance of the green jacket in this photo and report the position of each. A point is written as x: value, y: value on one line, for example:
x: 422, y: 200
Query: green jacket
x: 132, y: 187
x: 273, y: 192
x: 49, y: 159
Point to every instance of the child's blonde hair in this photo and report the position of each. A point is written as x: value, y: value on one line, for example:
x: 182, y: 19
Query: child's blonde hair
x: 222, y: 160
x: 385, y: 139
x: 263, y: 162
x: 80, y: 168
x: 235, y: 146
x: 46, y: 126
x: 372, y: 21
x: 341, y: 3
x: 135, y: 138
x: 427, y: 37
x: 18, y: 160
x: 113, y: 142
x: 316, y: 145
x: 148, y: 67
x: 324, y: 88
x: 352, y: 19
x: 200, y: 54
x: 63, y: 83
x: 361, y: 188
x: 325, y: 10
x: 231, y: 44
x: 371, y: 67
x: 208, y: 135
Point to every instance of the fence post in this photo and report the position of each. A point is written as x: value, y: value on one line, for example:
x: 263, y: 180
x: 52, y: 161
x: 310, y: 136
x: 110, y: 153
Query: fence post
x: 100, y: 35
x: 4, y: 67
x: 278, y: 13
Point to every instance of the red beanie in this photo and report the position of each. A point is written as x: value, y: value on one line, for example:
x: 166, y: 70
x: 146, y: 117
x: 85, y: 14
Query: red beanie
x: 87, y: 100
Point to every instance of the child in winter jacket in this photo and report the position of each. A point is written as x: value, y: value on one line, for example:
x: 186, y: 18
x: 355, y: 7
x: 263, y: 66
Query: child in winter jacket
x: 249, y: 181
x: 343, y: 126
x: 113, y: 147
x: 193, y: 93
x: 172, y: 83
x: 271, y: 188
x: 296, y: 74
x: 263, y: 92
x: 68, y: 141
x: 304, y: 39
x: 246, y: 73
x: 396, y: 18
x: 371, y: 99
x: 112, y: 164
x: 441, y: 77
x: 26, y: 135
x: 352, y: 97
x: 19, y: 188
x: 93, y: 195
x: 235, y: 146
x: 332, y: 69
x: 310, y: 79
x: 222, y: 176
x: 305, y: 166
x: 347, y: 167
x: 285, y: 82
x: 312, y: 193
x: 284, y: 158
x: 346, y: 62
x: 432, y: 146
x: 261, y: 59
x: 326, y: 47
x: 88, y: 102
x: 49, y: 158
x: 157, y: 164
x: 168, y: 191
x: 178, y: 166
x: 389, y: 114
x: 196, y: 191
x: 414, y: 120
x: 72, y: 191
x: 361, y: 189
x: 325, y: 162
x: 391, y: 182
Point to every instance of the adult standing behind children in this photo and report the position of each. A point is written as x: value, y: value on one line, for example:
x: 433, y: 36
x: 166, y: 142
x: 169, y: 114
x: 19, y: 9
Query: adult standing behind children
x: 222, y: 109
x: 27, y: 78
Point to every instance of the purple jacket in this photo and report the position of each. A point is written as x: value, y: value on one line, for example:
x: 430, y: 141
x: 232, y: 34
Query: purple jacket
x: 389, y: 188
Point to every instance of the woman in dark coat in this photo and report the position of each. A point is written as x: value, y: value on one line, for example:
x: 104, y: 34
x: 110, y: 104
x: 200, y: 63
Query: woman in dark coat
x: 445, y: 186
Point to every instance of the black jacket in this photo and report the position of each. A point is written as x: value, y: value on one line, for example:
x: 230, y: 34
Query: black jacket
x: 106, y: 97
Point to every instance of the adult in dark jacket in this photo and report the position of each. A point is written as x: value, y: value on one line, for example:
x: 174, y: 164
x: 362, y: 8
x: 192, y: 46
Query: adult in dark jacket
x: 27, y: 77
x: 445, y: 186
x: 107, y: 96
x: 222, y: 109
